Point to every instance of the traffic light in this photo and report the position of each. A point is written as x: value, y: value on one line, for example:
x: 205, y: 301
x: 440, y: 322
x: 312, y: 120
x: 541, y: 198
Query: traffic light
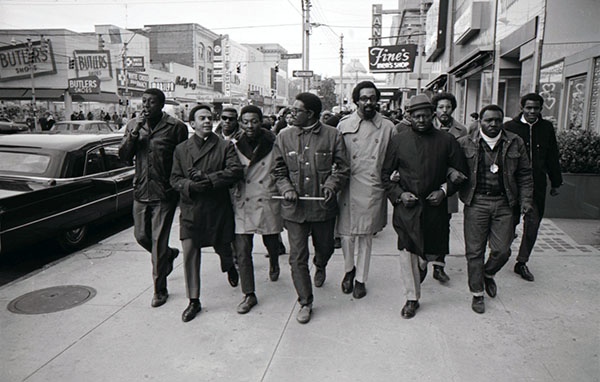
x: 100, y: 42
x: 71, y: 63
x: 238, y: 68
x: 277, y: 67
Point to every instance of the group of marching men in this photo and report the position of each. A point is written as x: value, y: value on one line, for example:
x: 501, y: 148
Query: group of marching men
x: 322, y: 181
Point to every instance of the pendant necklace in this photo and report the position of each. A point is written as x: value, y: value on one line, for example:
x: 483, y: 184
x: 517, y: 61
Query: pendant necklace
x: 494, y: 167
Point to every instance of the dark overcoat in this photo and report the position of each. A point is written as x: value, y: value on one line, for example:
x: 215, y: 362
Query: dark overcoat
x: 422, y: 159
x: 206, y: 216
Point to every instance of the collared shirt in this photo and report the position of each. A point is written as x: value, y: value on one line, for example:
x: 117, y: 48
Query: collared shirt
x: 487, y: 181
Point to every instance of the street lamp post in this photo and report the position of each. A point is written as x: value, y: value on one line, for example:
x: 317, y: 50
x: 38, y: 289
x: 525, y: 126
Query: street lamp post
x: 31, y: 55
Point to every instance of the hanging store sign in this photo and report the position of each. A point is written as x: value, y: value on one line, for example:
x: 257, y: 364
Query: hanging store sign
x: 15, y: 65
x: 435, y: 26
x: 376, y: 25
x: 84, y: 85
x: 392, y: 58
x: 133, y: 81
x: 93, y: 63
x: 135, y: 63
x: 166, y: 87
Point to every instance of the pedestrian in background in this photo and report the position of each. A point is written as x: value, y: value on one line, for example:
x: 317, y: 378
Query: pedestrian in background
x: 204, y: 167
x: 500, y: 179
x: 304, y: 158
x: 151, y: 140
x: 363, y: 205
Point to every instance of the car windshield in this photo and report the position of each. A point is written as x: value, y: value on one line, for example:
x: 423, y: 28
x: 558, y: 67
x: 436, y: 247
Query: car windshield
x: 28, y: 163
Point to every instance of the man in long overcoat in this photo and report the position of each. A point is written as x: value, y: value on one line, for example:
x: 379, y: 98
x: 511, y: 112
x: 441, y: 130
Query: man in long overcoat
x: 254, y: 210
x: 422, y: 156
x: 363, y: 205
x: 204, y: 167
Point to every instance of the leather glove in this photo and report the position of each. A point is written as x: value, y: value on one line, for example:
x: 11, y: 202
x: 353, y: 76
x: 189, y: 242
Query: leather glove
x: 195, y: 174
x: 290, y: 196
x: 199, y: 187
x: 436, y: 197
x: 408, y: 199
x: 328, y: 193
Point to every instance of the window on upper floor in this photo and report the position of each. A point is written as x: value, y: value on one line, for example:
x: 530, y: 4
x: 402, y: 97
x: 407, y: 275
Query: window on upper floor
x: 209, y: 77
x: 201, y: 75
x: 209, y: 54
x: 201, y: 50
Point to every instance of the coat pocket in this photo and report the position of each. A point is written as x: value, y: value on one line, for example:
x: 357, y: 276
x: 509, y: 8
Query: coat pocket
x: 323, y: 160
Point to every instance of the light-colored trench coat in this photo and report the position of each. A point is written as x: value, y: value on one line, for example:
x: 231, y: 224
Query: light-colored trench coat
x: 363, y: 203
x: 254, y: 210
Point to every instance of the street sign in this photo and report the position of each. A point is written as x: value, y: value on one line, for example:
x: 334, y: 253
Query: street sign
x: 290, y: 56
x: 84, y: 85
x: 302, y: 73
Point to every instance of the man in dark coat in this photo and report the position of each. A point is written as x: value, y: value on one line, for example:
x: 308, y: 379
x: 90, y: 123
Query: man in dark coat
x: 500, y: 179
x: 540, y: 142
x: 305, y: 156
x: 204, y: 167
x: 229, y: 128
x: 151, y: 140
x: 422, y: 156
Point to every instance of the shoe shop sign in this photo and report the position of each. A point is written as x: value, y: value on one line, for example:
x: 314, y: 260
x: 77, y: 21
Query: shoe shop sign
x: 15, y: 64
x: 392, y: 58
x: 93, y: 63
x: 84, y: 85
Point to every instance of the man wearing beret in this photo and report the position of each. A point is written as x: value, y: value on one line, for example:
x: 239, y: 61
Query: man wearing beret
x: 422, y: 156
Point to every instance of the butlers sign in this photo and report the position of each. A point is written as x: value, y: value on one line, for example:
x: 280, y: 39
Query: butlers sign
x: 392, y: 58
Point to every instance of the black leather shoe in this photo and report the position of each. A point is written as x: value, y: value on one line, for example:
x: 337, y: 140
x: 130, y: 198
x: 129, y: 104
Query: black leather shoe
x: 490, y: 286
x: 159, y: 299
x: 422, y: 273
x: 478, y: 305
x: 410, y: 308
x: 247, y: 304
x: 439, y: 274
x: 522, y: 270
x: 233, y: 277
x: 360, y: 290
x: 320, y: 277
x: 190, y: 312
x: 348, y: 281
x: 282, y: 249
x: 274, y: 272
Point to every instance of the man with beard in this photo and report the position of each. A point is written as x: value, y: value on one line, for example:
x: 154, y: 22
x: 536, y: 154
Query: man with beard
x: 305, y: 156
x: 363, y: 206
x: 540, y: 142
x: 422, y: 156
x: 500, y: 178
x: 228, y: 128
x: 254, y: 210
x: 204, y: 167
x: 444, y: 105
x: 151, y: 139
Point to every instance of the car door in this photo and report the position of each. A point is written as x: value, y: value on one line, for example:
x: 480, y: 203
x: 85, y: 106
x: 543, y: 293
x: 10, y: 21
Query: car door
x: 121, y: 173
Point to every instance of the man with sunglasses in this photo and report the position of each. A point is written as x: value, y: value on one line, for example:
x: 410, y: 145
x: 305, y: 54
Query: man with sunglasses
x: 305, y: 157
x: 228, y: 127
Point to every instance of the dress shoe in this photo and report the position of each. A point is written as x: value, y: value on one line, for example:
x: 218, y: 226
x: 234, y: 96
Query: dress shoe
x: 282, y: 249
x: 478, y: 305
x: 320, y: 277
x: 304, y: 313
x: 410, y: 308
x: 274, y: 272
x: 439, y: 274
x: 247, y: 304
x: 190, y: 312
x: 522, y: 270
x: 348, y: 281
x: 337, y: 242
x: 159, y: 299
x: 490, y: 286
x: 422, y: 273
x: 360, y: 290
x: 233, y: 277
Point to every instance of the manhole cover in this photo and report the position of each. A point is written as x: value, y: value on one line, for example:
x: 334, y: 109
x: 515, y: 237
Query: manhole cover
x: 52, y: 299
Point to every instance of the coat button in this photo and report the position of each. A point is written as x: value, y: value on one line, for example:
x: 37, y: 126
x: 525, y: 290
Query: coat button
x: 248, y: 182
x: 307, y: 163
x: 247, y: 199
x: 376, y: 140
x: 353, y: 156
x: 260, y: 182
x: 307, y: 178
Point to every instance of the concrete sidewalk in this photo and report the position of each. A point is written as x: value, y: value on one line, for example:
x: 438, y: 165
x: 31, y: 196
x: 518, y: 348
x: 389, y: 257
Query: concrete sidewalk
x: 548, y: 330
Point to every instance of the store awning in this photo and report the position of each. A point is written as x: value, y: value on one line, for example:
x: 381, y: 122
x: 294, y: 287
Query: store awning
x: 438, y: 82
x: 104, y: 97
x: 472, y: 60
x: 25, y: 94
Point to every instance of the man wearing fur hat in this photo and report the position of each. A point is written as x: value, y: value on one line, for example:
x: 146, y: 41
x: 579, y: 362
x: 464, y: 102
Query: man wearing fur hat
x: 422, y: 156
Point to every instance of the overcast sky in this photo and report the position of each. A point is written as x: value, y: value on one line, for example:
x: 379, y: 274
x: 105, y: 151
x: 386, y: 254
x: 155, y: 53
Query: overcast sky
x: 246, y: 21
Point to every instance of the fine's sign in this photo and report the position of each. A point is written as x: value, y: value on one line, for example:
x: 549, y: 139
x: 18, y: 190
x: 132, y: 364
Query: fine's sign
x: 392, y: 58
x: 302, y: 73
x: 93, y: 63
x: 84, y: 85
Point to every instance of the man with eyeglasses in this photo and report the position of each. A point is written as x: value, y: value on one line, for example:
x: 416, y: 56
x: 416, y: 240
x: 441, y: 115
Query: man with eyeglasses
x: 422, y: 156
x: 228, y: 127
x: 363, y: 205
x: 305, y: 157
x: 254, y: 210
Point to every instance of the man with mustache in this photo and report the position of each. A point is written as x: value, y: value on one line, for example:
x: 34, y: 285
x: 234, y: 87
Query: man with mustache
x: 422, y: 156
x: 444, y: 105
x: 363, y: 206
x: 151, y: 139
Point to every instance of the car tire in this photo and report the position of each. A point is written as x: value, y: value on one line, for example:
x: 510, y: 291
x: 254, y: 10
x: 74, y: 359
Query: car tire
x: 73, y: 239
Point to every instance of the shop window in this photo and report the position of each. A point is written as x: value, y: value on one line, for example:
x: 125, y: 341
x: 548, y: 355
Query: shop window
x: 594, y: 124
x: 551, y: 90
x: 575, y: 101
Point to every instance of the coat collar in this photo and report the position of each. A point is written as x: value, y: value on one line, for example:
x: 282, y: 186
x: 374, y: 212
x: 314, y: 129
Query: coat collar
x: 456, y: 128
x: 164, y: 122
x: 264, y: 147
x: 197, y: 152
x: 352, y: 123
x: 475, y: 136
x: 315, y: 130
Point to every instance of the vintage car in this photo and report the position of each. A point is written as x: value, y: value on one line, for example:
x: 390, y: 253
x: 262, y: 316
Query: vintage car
x: 9, y: 127
x: 55, y: 185
x: 84, y: 127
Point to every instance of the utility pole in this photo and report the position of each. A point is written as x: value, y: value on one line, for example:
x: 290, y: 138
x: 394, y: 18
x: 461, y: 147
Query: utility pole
x: 31, y: 57
x: 305, y: 41
x: 126, y: 92
x: 420, y: 46
x: 341, y: 71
